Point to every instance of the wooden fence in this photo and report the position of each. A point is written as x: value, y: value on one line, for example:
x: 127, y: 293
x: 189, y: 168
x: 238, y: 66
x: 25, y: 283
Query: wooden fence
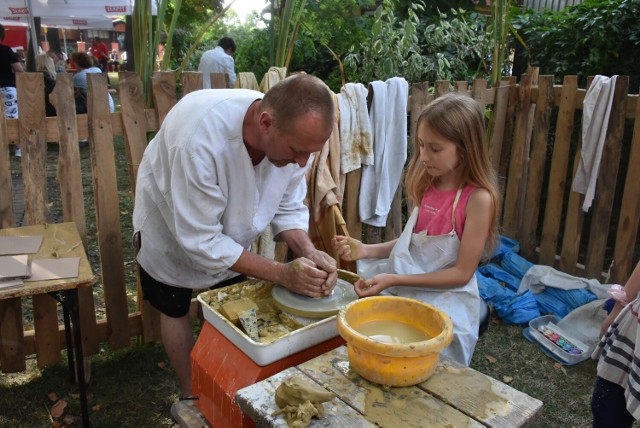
x: 534, y: 146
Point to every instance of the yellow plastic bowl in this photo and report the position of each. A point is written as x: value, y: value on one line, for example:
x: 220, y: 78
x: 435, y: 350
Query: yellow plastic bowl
x: 394, y: 364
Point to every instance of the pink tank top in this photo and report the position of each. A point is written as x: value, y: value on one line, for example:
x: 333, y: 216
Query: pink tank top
x: 435, y: 211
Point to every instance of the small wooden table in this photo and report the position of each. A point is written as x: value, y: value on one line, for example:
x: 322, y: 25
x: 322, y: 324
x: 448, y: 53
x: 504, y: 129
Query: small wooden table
x: 63, y: 240
x: 453, y: 396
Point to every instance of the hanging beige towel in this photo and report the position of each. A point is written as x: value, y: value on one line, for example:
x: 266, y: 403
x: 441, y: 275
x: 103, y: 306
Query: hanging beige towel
x: 596, y: 109
x: 356, y: 141
x: 247, y: 80
x: 271, y: 77
x: 324, y: 196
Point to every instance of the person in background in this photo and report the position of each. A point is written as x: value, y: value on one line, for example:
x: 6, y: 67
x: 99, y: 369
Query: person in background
x: 100, y: 52
x: 58, y: 60
x: 615, y: 401
x: 215, y: 151
x: 454, y: 224
x: 10, y: 64
x: 114, y: 61
x: 84, y: 66
x: 45, y: 65
x: 219, y: 60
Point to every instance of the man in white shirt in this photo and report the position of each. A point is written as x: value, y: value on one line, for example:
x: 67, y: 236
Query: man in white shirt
x: 219, y: 60
x: 224, y: 165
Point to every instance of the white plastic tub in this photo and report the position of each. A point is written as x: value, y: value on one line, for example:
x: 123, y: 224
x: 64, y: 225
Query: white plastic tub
x: 263, y: 354
x: 551, y: 322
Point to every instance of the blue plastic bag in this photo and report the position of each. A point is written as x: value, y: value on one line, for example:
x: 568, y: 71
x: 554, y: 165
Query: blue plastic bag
x: 560, y: 302
x: 507, y: 245
x: 515, y: 264
x: 519, y: 310
x: 496, y: 272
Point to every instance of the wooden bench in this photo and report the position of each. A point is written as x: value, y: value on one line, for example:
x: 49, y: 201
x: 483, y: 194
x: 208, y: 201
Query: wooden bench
x: 453, y: 396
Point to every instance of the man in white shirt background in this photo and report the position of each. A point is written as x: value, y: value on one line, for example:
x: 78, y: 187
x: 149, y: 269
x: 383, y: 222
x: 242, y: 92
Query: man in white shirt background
x: 219, y: 60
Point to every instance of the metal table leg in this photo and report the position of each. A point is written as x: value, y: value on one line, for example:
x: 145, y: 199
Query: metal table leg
x: 69, y: 301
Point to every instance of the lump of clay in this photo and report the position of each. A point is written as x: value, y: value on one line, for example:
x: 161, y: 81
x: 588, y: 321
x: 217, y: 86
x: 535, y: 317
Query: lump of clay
x: 231, y: 308
x: 296, y: 390
x: 300, y: 400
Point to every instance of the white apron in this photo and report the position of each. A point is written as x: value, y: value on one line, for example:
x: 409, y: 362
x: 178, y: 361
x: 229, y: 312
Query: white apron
x: 418, y: 253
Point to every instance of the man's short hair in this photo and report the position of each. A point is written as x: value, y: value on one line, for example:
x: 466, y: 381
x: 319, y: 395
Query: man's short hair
x: 228, y: 44
x: 297, y: 95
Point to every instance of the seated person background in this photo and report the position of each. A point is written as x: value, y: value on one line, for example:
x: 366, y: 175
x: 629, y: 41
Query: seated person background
x: 84, y: 66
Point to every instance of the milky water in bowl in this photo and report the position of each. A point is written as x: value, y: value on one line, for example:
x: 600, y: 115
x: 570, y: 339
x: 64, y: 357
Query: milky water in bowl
x: 392, y: 332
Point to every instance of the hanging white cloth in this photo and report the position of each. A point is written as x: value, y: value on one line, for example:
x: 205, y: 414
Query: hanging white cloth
x: 356, y: 143
x: 380, y: 181
x: 596, y: 109
x: 418, y: 253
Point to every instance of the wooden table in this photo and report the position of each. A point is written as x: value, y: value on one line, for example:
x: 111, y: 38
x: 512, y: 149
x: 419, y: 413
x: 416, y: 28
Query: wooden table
x: 61, y: 240
x: 454, y: 396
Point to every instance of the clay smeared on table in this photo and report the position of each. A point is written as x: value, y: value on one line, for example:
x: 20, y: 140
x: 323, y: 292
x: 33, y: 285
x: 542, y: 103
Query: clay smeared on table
x: 272, y: 323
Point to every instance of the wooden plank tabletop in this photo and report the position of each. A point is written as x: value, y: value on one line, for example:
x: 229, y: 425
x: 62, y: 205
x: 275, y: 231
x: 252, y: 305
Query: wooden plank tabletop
x: 453, y: 396
x: 59, y: 240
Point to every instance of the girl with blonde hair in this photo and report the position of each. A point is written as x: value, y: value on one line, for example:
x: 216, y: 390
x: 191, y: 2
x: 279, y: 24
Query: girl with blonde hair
x: 45, y: 65
x: 453, y: 226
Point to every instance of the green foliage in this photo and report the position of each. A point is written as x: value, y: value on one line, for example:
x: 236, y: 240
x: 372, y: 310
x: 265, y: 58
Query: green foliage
x: 595, y: 37
x: 455, y: 48
x: 324, y: 25
x: 392, y: 48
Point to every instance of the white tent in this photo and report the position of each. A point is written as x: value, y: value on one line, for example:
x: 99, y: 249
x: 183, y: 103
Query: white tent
x: 65, y: 8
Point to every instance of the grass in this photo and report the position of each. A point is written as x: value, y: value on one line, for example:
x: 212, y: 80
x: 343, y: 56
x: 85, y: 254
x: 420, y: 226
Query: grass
x: 136, y: 386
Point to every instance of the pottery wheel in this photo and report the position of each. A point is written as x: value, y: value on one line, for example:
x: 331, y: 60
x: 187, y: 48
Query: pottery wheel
x: 314, y: 307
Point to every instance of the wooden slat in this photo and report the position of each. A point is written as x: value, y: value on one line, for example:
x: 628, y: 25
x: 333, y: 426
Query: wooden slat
x: 72, y: 196
x: 7, y: 217
x: 442, y: 87
x: 350, y: 201
x: 394, y: 224
x: 497, y: 124
x: 572, y: 234
x: 134, y: 124
x: 629, y: 219
x: 607, y: 178
x: 190, y: 81
x: 219, y: 81
x: 417, y: 102
x: 558, y: 173
x: 107, y: 208
x: 32, y: 131
x: 473, y: 393
x: 11, y: 337
x: 535, y: 176
x: 513, y: 203
x: 258, y: 402
x: 461, y: 86
x: 509, y: 125
x: 12, y: 347
x: 479, y: 92
x: 163, y: 86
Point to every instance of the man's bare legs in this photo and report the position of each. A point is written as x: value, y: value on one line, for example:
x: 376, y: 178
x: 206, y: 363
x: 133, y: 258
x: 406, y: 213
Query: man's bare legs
x: 177, y: 338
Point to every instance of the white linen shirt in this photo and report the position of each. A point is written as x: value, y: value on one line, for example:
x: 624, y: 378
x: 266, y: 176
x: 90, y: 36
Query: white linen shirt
x: 199, y: 199
x: 216, y: 61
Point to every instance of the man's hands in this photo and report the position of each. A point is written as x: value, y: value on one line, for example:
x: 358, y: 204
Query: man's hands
x: 314, y: 275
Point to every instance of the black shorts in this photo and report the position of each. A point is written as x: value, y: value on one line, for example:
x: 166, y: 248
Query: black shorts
x: 173, y: 301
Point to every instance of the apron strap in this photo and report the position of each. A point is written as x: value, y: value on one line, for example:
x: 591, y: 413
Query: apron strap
x: 455, y: 205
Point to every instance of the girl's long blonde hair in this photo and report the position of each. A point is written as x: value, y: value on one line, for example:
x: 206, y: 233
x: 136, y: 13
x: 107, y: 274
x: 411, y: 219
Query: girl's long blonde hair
x: 45, y: 63
x: 460, y: 119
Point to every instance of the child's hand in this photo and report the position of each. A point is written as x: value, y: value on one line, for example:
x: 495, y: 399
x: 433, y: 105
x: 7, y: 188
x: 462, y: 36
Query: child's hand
x: 375, y: 285
x: 348, y: 249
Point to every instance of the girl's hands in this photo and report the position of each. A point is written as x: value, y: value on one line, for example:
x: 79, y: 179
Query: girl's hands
x: 348, y: 249
x: 375, y: 285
